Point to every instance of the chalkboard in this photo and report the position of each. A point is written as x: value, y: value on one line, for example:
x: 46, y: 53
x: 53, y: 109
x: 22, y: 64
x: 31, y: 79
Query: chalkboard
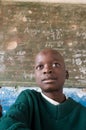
x: 26, y: 28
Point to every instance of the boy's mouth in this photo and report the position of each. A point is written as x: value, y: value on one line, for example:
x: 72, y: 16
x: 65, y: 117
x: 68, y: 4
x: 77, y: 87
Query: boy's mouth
x: 49, y: 80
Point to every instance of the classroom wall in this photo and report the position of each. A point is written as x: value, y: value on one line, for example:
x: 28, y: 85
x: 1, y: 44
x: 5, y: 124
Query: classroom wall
x: 28, y: 27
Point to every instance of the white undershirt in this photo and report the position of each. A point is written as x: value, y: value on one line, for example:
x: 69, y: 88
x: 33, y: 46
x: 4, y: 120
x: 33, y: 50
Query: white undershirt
x: 50, y: 100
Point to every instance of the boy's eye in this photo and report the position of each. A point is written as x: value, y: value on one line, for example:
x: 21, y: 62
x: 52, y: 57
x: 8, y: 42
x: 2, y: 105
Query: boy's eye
x: 56, y: 65
x: 39, y: 67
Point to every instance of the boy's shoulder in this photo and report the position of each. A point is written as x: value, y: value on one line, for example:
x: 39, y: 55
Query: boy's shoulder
x: 30, y: 92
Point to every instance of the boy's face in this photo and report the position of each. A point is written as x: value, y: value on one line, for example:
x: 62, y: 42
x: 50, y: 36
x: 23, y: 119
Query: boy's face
x: 50, y: 71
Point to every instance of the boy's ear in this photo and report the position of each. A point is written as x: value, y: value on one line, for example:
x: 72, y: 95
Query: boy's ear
x: 67, y: 74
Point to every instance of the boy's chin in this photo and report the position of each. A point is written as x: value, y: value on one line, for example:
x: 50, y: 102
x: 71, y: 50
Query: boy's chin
x: 50, y: 88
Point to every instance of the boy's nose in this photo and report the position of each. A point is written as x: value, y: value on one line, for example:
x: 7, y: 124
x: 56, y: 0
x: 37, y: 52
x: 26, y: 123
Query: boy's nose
x: 47, y: 70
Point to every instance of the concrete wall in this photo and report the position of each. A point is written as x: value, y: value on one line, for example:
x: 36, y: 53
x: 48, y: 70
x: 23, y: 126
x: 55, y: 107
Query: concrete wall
x: 26, y: 28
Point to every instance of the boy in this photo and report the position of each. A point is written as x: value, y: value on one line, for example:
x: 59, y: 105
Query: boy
x: 50, y: 109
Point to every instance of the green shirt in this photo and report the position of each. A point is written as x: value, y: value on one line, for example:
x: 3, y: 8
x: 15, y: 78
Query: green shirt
x: 32, y: 112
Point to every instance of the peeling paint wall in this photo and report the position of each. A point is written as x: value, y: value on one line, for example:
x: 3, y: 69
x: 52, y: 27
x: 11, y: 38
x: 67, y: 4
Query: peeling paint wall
x: 26, y: 28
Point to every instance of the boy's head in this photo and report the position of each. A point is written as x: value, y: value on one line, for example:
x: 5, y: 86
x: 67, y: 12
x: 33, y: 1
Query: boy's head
x: 50, y: 72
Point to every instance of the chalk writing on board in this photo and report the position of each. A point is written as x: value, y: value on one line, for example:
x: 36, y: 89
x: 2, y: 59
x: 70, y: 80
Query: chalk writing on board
x: 26, y: 75
x: 81, y: 35
x: 54, y: 34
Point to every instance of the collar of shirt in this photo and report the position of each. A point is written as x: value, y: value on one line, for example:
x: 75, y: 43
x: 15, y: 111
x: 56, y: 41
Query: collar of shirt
x: 50, y: 100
